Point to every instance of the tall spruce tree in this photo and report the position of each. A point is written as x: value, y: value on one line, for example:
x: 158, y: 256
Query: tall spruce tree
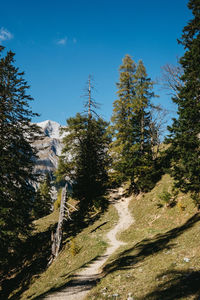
x: 131, y: 148
x: 145, y: 165
x: 85, y: 159
x: 16, y: 157
x: 185, y: 131
x: 121, y: 126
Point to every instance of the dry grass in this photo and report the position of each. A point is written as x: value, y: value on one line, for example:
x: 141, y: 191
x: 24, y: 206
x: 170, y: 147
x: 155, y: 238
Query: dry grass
x: 77, y: 253
x: 42, y: 225
x: 161, y: 259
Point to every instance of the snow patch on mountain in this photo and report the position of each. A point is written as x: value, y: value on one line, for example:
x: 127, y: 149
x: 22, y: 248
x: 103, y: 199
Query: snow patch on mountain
x: 51, y: 129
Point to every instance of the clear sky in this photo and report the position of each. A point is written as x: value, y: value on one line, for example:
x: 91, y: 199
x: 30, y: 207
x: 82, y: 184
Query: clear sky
x: 58, y: 43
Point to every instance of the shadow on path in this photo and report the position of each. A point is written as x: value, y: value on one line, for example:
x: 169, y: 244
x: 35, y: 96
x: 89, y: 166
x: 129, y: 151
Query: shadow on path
x: 34, y: 256
x: 77, y: 283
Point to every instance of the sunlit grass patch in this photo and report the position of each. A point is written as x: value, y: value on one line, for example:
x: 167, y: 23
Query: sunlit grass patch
x: 161, y: 259
x: 89, y: 243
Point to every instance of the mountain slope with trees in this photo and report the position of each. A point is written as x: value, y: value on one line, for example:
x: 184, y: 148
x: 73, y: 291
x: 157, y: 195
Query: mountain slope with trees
x: 162, y: 254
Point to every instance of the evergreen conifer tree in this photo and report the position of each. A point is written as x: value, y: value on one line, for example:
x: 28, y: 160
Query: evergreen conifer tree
x: 184, y: 133
x: 131, y: 148
x: 145, y: 165
x: 121, y: 126
x: 85, y: 159
x: 16, y: 157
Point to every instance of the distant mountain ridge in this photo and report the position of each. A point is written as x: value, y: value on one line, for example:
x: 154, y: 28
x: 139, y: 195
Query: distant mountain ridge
x: 49, y: 148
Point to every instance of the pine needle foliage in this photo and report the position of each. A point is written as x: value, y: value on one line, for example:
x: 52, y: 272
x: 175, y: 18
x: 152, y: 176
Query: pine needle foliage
x: 184, y: 133
x: 85, y: 159
x: 131, y: 148
x: 16, y: 157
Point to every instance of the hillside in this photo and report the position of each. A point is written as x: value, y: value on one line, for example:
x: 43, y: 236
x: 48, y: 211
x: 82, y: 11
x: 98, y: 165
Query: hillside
x: 160, y: 260
x: 107, y: 205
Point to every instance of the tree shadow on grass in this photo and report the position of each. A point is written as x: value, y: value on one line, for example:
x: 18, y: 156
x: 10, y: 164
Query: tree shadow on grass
x: 148, y: 247
x: 34, y: 254
x: 82, y: 220
x: 98, y: 227
x: 31, y: 261
x: 177, y: 284
x: 76, y: 283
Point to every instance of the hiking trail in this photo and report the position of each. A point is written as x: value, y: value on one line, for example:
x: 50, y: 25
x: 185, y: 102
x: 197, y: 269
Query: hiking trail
x: 85, y: 280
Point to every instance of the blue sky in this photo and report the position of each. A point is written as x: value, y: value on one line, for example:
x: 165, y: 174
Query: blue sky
x: 59, y: 43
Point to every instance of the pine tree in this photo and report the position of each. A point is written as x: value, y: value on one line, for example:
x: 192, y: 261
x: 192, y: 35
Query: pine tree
x: 121, y: 126
x: 85, y: 159
x: 131, y: 148
x: 43, y: 200
x: 184, y: 133
x: 16, y: 157
x: 145, y: 170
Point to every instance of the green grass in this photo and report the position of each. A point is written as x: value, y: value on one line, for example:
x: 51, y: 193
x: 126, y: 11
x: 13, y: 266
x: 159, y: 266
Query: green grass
x: 161, y: 259
x: 76, y: 254
x: 43, y: 224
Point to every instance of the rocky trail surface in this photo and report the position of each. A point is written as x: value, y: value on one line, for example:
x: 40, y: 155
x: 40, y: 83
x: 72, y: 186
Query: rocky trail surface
x: 83, y: 281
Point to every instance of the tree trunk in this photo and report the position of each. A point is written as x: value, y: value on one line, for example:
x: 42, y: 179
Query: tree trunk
x: 57, y: 236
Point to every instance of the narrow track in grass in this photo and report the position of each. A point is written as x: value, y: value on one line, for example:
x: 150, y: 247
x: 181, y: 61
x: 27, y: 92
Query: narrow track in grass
x: 86, y: 279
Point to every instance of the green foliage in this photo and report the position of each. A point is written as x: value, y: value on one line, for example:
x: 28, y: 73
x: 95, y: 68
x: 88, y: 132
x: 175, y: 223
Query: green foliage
x: 132, y: 148
x: 85, y: 159
x: 16, y: 157
x: 43, y: 199
x: 184, y: 133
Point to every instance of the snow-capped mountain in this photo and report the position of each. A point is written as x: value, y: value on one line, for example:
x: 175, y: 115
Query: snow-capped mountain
x: 49, y: 148
x: 51, y: 129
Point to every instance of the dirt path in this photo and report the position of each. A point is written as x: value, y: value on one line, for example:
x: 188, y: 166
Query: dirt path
x: 86, y: 279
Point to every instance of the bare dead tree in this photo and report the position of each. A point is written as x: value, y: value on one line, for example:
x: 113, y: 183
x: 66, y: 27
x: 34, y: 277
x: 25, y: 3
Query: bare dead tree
x: 158, y: 123
x: 64, y: 214
x: 90, y: 104
x: 171, y: 78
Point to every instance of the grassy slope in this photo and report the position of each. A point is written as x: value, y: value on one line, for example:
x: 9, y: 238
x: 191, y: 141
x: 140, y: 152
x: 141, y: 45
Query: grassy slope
x: 161, y: 259
x: 76, y: 253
